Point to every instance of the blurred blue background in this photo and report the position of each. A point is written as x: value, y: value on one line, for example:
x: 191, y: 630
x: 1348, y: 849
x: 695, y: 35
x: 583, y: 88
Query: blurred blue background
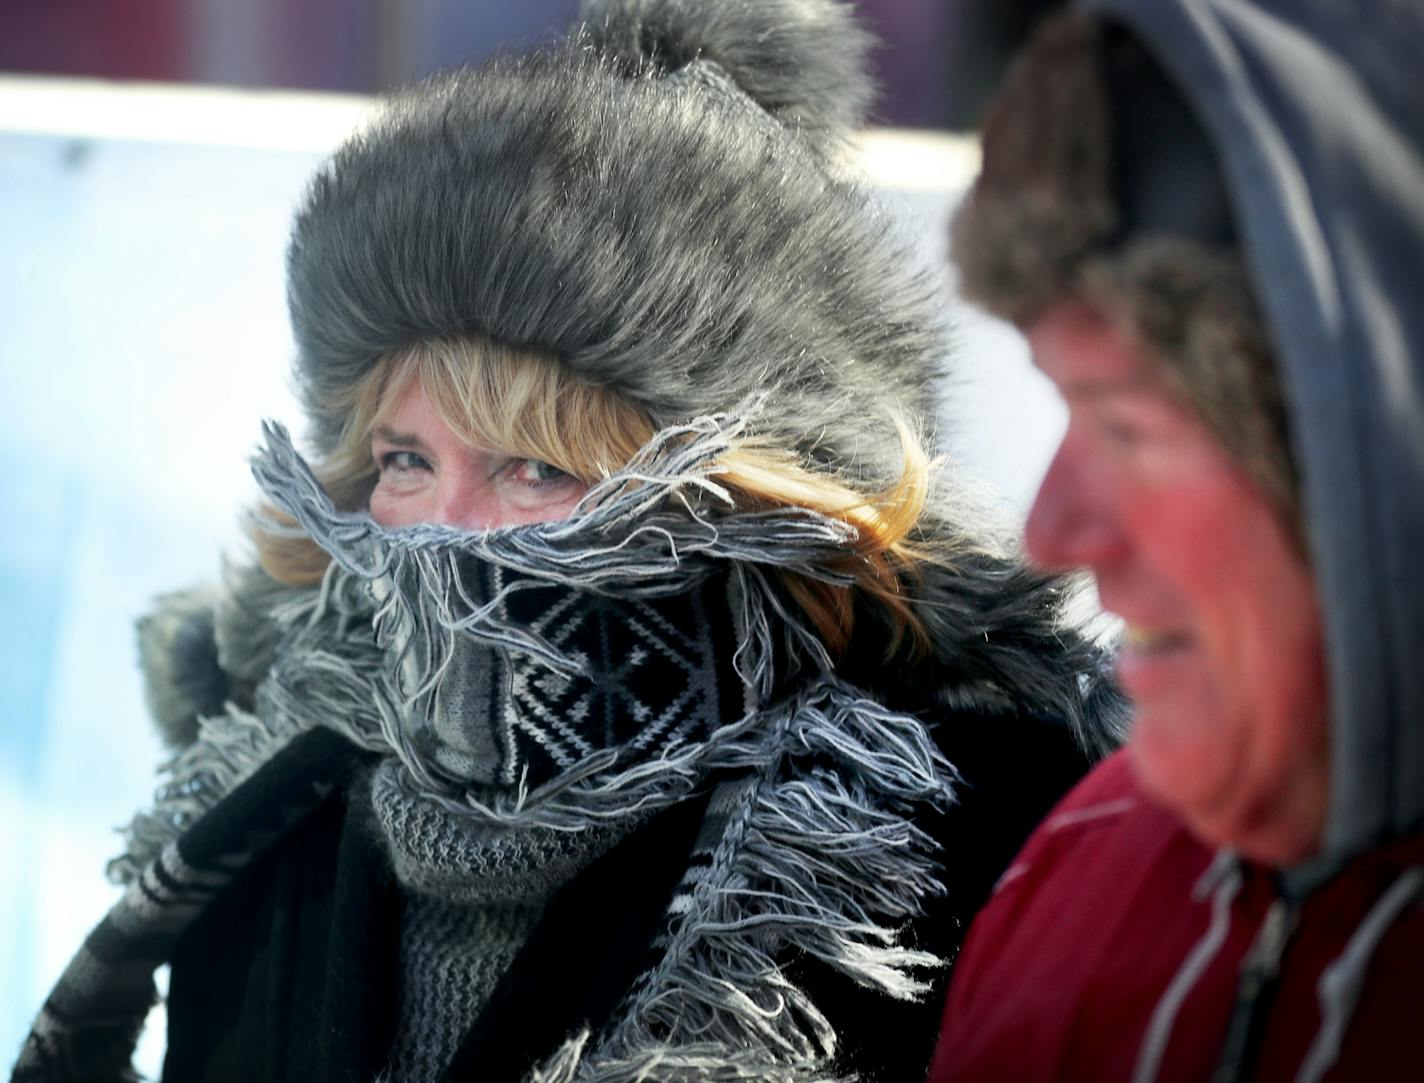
x: 143, y: 335
x: 937, y: 63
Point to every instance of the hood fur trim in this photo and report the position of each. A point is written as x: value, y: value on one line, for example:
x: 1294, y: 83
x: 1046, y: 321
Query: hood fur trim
x: 1041, y: 226
x: 1043, y: 198
x: 178, y: 656
x: 203, y: 649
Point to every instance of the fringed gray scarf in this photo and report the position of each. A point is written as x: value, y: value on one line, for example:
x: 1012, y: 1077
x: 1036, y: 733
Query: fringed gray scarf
x: 586, y: 673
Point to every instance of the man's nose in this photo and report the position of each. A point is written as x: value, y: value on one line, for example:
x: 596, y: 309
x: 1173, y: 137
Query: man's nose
x: 1072, y: 523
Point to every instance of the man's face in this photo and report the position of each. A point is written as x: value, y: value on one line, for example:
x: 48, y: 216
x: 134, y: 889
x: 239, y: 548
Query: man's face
x: 1223, y: 652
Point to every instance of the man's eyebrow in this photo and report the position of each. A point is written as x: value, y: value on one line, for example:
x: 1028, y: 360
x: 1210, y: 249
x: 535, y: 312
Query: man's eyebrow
x: 1096, y: 388
x: 388, y: 435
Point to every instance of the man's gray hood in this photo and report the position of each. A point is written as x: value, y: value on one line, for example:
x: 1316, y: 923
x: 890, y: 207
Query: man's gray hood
x: 1317, y: 114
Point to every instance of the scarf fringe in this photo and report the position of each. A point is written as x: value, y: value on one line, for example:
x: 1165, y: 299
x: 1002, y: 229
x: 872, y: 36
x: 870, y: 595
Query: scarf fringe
x: 817, y: 851
x: 705, y: 1063
x: 825, y: 862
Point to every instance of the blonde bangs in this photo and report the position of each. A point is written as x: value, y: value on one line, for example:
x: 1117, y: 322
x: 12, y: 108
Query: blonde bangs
x: 521, y: 402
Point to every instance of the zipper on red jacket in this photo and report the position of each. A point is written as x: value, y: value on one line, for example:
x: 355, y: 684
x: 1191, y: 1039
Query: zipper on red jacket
x: 1255, y: 990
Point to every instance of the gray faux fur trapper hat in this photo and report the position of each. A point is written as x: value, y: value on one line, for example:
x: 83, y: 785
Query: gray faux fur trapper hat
x: 659, y: 202
x: 1099, y: 185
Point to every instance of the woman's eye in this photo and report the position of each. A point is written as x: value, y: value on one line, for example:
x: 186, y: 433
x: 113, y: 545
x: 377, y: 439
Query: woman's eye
x: 402, y: 462
x: 537, y: 472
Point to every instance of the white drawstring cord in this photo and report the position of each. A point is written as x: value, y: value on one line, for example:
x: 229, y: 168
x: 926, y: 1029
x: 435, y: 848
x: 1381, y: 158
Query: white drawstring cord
x: 1224, y: 878
x: 1340, y: 983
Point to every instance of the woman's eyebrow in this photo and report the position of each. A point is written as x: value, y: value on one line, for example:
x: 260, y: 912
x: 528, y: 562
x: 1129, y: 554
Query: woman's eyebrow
x: 397, y: 439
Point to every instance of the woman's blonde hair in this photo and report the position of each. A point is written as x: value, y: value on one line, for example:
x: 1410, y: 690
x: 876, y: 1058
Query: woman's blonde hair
x: 526, y: 403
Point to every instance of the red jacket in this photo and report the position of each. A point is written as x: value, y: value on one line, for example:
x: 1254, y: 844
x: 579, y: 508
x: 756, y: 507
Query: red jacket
x: 1097, y: 957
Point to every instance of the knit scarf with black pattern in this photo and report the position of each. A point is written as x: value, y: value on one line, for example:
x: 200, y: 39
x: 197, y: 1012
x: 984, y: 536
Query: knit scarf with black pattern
x: 574, y: 677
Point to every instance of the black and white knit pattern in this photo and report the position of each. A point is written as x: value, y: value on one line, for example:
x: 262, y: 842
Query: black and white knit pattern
x: 633, y: 674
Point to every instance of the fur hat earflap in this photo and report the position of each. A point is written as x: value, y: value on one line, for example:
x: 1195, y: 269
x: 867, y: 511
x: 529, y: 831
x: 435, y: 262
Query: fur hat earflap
x: 1099, y: 186
x: 1043, y: 198
x: 804, y: 63
x: 682, y: 238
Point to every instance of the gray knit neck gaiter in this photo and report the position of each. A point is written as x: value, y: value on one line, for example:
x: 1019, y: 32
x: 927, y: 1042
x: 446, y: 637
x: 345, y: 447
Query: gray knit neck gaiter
x: 435, y: 851
x: 471, y: 895
x: 452, y: 955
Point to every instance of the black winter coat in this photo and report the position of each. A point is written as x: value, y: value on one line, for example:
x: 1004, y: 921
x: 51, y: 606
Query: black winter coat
x: 291, y: 974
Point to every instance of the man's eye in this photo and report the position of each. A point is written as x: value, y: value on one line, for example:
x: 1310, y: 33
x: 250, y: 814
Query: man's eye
x: 1122, y: 428
x: 402, y: 462
x: 1120, y: 434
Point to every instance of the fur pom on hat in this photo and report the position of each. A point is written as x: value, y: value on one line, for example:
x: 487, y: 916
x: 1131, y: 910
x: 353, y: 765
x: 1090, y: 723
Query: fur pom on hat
x: 804, y: 63
x: 654, y: 203
x: 1099, y: 186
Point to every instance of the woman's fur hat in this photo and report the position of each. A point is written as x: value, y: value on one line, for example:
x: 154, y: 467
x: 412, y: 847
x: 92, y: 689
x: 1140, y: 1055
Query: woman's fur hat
x: 660, y: 202
x: 1099, y: 185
